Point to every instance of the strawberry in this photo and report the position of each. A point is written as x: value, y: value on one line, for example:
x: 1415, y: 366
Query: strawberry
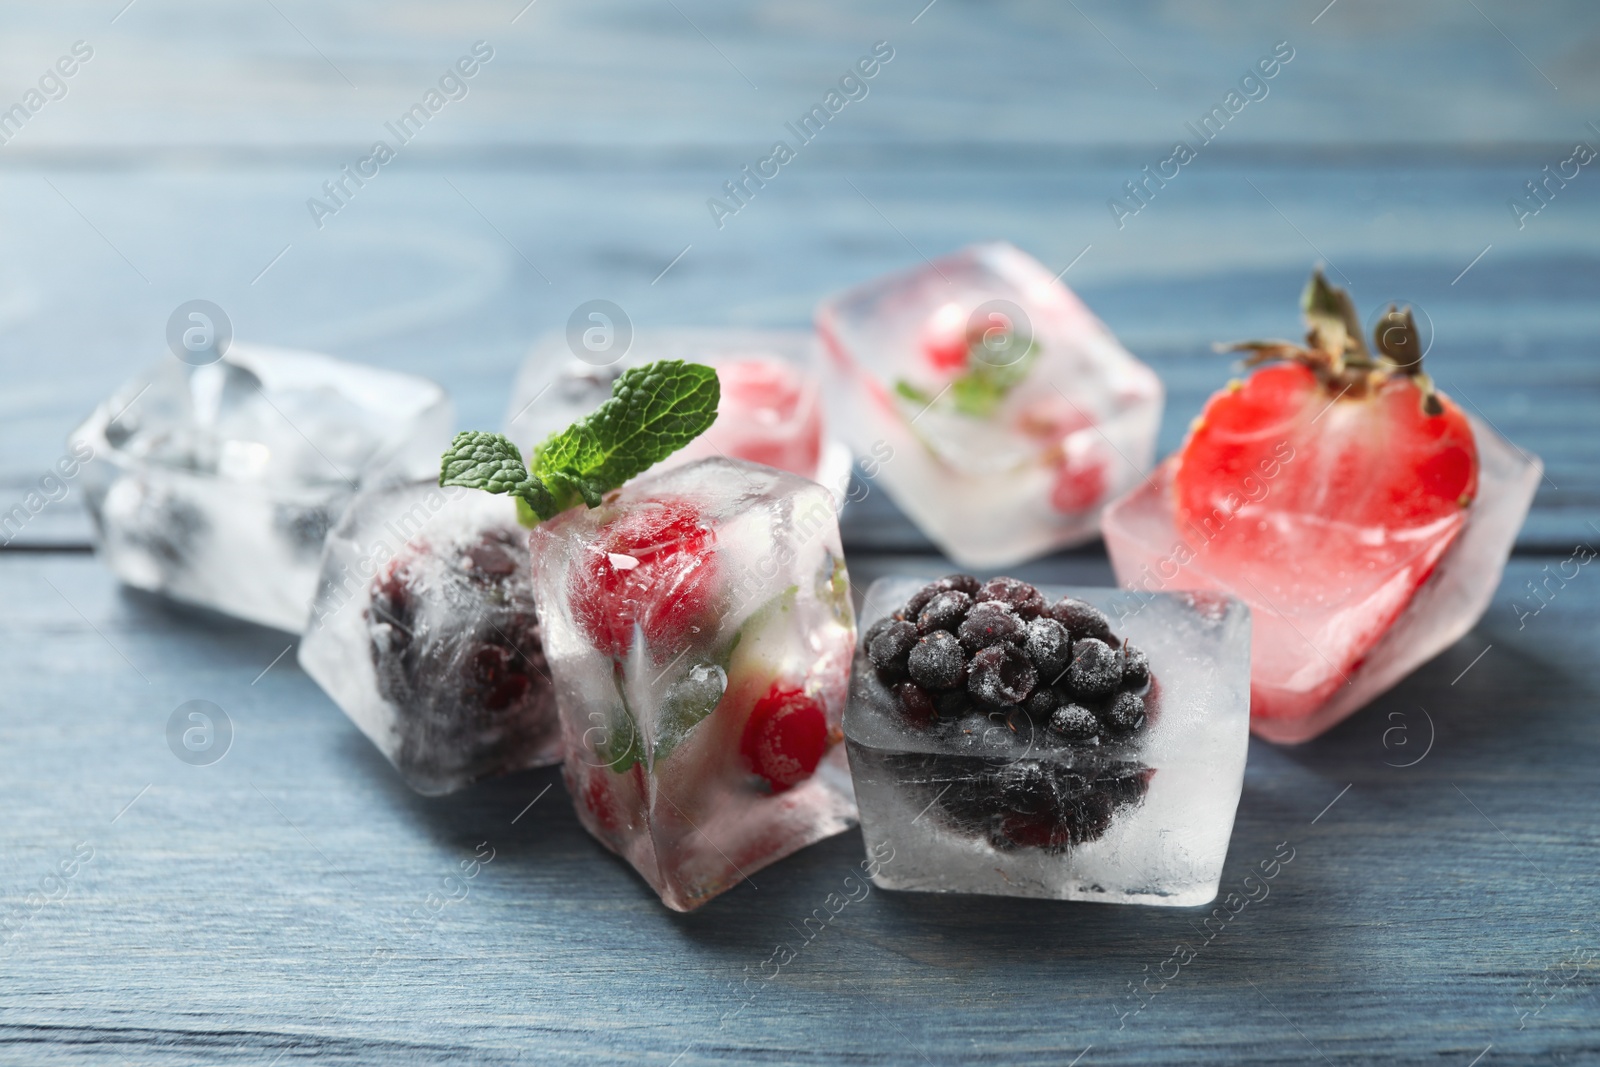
x: 769, y: 413
x: 945, y: 340
x: 654, y: 566
x: 1332, y: 473
x: 785, y: 737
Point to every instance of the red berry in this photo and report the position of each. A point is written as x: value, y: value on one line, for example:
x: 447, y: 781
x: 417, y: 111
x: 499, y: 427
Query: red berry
x: 1078, y: 486
x: 944, y: 339
x: 653, y: 566
x: 785, y: 737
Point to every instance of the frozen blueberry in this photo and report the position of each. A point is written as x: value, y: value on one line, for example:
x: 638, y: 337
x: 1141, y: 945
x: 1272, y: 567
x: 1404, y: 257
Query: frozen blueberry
x: 917, y: 703
x: 1049, y: 646
x: 1135, y: 668
x: 1125, y: 714
x: 890, y: 648
x: 1024, y: 599
x: 1081, y: 619
x: 1041, y: 702
x: 1000, y: 676
x: 1074, y: 722
x: 944, y: 612
x: 1096, y: 670
x: 938, y: 661
x: 990, y: 622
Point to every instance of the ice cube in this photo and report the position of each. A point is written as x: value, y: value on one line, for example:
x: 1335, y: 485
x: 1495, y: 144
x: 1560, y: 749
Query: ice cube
x: 216, y: 484
x: 1011, y: 412
x: 1316, y: 657
x: 771, y: 410
x: 699, y: 630
x: 1073, y: 796
x: 424, y: 633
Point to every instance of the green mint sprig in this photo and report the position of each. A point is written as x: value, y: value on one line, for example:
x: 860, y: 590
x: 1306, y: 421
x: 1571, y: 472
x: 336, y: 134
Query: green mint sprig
x: 654, y: 410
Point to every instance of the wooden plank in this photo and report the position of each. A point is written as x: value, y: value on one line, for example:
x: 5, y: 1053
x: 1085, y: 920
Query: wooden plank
x: 230, y: 913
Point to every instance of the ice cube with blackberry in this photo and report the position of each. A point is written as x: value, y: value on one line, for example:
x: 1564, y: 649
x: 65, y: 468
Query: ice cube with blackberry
x: 1083, y: 744
x: 424, y: 632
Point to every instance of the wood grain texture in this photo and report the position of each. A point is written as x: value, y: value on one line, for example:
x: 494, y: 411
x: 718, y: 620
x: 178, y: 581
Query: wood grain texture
x: 232, y: 913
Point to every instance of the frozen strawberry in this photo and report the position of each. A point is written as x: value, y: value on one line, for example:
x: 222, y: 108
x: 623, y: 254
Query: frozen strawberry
x: 944, y: 339
x: 785, y: 737
x: 1334, y: 471
x: 769, y: 413
x: 653, y: 567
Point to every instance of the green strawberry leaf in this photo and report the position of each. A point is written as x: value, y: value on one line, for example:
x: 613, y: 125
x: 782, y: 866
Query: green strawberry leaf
x: 492, y: 462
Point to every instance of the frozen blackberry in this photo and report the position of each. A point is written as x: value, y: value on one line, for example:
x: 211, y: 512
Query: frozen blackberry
x: 1049, y: 646
x: 1023, y: 598
x: 1042, y: 702
x: 944, y: 612
x: 1000, y: 676
x: 1125, y: 714
x: 1135, y: 668
x: 1096, y: 670
x: 1074, y: 722
x: 990, y: 623
x: 938, y: 661
x: 916, y: 702
x: 1081, y: 619
x: 890, y: 648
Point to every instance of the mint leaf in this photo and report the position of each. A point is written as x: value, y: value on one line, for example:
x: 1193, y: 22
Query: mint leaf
x: 492, y: 462
x: 654, y: 410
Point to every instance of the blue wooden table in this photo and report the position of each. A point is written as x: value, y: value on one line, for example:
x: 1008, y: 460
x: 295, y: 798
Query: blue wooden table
x: 289, y: 904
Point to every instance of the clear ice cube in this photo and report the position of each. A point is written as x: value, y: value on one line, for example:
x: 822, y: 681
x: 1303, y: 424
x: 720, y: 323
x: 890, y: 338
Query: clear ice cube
x: 1012, y: 413
x: 424, y: 632
x: 216, y: 484
x: 1004, y: 808
x: 771, y: 410
x: 1317, y: 658
x: 699, y: 631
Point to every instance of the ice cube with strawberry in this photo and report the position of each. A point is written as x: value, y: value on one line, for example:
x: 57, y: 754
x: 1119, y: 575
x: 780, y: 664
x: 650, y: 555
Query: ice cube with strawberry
x: 1362, y: 514
x: 1011, y: 413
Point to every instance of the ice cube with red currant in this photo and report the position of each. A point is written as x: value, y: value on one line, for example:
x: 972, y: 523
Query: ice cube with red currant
x: 1072, y: 744
x: 1011, y: 412
x: 1362, y: 514
x: 770, y: 412
x: 699, y: 631
x: 424, y: 632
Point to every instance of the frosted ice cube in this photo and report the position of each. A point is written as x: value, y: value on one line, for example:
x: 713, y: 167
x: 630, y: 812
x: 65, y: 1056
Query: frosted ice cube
x: 771, y: 410
x: 1316, y: 659
x: 978, y: 805
x: 217, y: 484
x: 424, y: 632
x: 1012, y: 412
x: 699, y: 630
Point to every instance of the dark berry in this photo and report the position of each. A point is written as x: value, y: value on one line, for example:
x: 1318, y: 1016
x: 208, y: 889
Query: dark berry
x: 1023, y: 598
x: 974, y: 731
x: 1074, y: 722
x: 1096, y: 670
x: 1081, y: 619
x: 890, y: 648
x: 920, y: 598
x: 877, y: 628
x: 1049, y: 646
x: 1000, y: 676
x: 917, y: 703
x: 1041, y: 702
x: 952, y: 704
x: 938, y: 661
x: 944, y: 612
x: 990, y: 622
x: 1135, y: 668
x: 1025, y: 787
x: 1125, y: 714
x: 962, y: 583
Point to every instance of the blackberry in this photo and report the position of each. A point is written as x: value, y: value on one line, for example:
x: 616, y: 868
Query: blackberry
x: 890, y: 648
x: 1125, y: 714
x: 1042, y: 702
x: 916, y: 703
x: 1135, y: 667
x: 1023, y: 598
x: 944, y: 612
x: 938, y: 661
x: 1096, y: 670
x: 989, y: 623
x: 1074, y: 722
x: 1081, y: 619
x: 1000, y: 676
x: 1049, y: 646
